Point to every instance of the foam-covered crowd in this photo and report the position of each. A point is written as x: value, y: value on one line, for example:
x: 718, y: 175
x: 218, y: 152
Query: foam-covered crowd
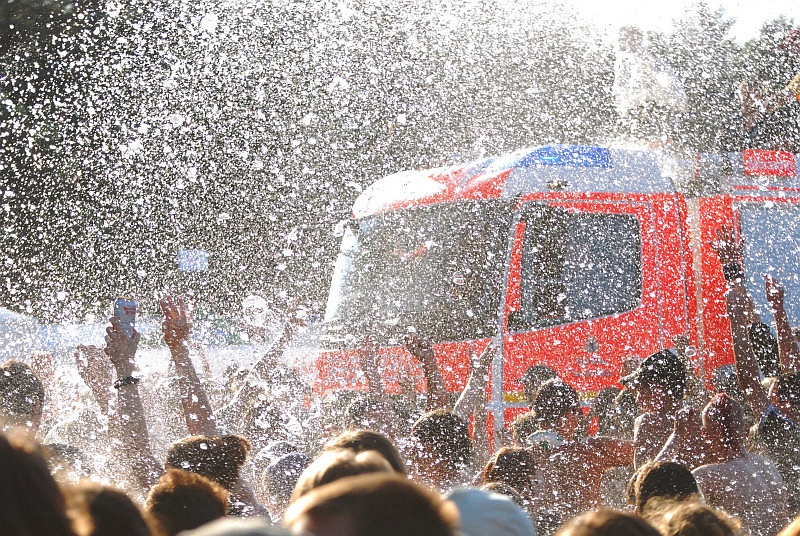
x: 254, y: 451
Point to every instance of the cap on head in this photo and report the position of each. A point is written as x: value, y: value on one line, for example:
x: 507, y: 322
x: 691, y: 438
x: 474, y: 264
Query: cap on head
x: 663, y: 369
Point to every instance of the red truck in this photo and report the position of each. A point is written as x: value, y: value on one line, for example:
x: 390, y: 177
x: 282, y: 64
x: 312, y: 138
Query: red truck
x: 576, y: 257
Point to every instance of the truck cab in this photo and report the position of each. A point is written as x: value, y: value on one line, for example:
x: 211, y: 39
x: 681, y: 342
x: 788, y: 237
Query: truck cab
x: 575, y: 257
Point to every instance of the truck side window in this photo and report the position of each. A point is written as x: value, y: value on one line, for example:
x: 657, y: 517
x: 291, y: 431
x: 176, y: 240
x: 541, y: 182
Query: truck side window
x: 578, y: 266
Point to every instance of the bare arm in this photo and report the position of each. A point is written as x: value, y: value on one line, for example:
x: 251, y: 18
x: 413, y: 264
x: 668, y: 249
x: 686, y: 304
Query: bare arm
x: 787, y: 348
x: 131, y: 431
x: 476, y: 384
x: 177, y: 327
x: 422, y: 349
x: 272, y: 356
x: 683, y: 445
x: 746, y: 364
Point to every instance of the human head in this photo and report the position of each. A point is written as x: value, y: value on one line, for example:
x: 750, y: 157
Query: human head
x: 523, y: 426
x: 365, y: 505
x: 513, y: 465
x: 334, y: 465
x: 483, y: 512
x: 660, y: 381
x: 663, y: 480
x: 21, y: 396
x: 533, y: 378
x: 442, y: 444
x: 233, y: 526
x: 724, y: 426
x: 785, y: 394
x: 362, y: 440
x: 182, y: 500
x: 370, y: 412
x: 691, y: 519
x: 32, y: 501
x: 557, y: 406
x: 107, y: 511
x: 607, y: 523
x: 279, y: 480
x: 216, y: 458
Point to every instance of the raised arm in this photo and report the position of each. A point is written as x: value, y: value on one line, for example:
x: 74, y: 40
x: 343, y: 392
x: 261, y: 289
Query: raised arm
x: 422, y: 349
x: 97, y: 373
x: 177, y: 328
x: 740, y: 307
x: 271, y: 358
x: 787, y: 348
x: 476, y: 384
x: 131, y: 430
x: 738, y: 303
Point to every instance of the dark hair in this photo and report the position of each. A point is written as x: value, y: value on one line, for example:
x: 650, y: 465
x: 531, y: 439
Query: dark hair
x: 514, y: 466
x: 765, y: 348
x: 182, y: 500
x: 108, y: 511
x: 361, y: 440
x: 216, y: 458
x: 385, y: 503
x: 21, y: 392
x: 554, y: 399
x: 787, y: 388
x: 32, y: 501
x: 444, y: 434
x: 607, y: 523
x: 665, y: 480
x: 523, y: 426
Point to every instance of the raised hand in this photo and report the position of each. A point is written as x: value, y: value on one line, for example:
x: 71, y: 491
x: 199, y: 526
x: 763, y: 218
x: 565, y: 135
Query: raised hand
x: 177, y: 323
x: 481, y: 363
x: 727, y: 247
x: 120, y: 348
x: 420, y: 347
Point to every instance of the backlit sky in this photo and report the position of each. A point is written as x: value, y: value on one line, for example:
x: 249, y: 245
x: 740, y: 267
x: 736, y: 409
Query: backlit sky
x: 657, y: 15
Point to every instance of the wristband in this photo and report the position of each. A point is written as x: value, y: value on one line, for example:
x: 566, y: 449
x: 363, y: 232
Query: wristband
x: 732, y: 271
x: 126, y: 380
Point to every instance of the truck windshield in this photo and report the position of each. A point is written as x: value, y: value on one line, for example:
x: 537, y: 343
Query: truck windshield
x: 435, y: 270
x: 772, y: 246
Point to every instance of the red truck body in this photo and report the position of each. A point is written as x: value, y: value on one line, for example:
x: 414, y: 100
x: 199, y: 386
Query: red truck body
x: 575, y: 257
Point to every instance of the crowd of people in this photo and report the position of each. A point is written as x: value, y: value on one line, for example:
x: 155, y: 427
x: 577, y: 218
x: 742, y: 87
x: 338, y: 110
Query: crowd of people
x: 255, y: 452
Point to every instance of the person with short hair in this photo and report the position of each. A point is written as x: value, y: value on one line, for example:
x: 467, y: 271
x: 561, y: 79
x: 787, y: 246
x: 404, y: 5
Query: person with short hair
x: 365, y: 505
x: 30, y: 499
x: 441, y: 453
x: 182, y: 500
x: 572, y: 466
x: 659, y: 384
x: 533, y: 378
x: 21, y: 398
x: 107, y: 511
x: 692, y: 519
x: 362, y: 440
x: 334, y: 465
x: 607, y: 523
x: 664, y: 481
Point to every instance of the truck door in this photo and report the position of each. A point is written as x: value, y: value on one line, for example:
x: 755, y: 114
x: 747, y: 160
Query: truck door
x: 582, y: 292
